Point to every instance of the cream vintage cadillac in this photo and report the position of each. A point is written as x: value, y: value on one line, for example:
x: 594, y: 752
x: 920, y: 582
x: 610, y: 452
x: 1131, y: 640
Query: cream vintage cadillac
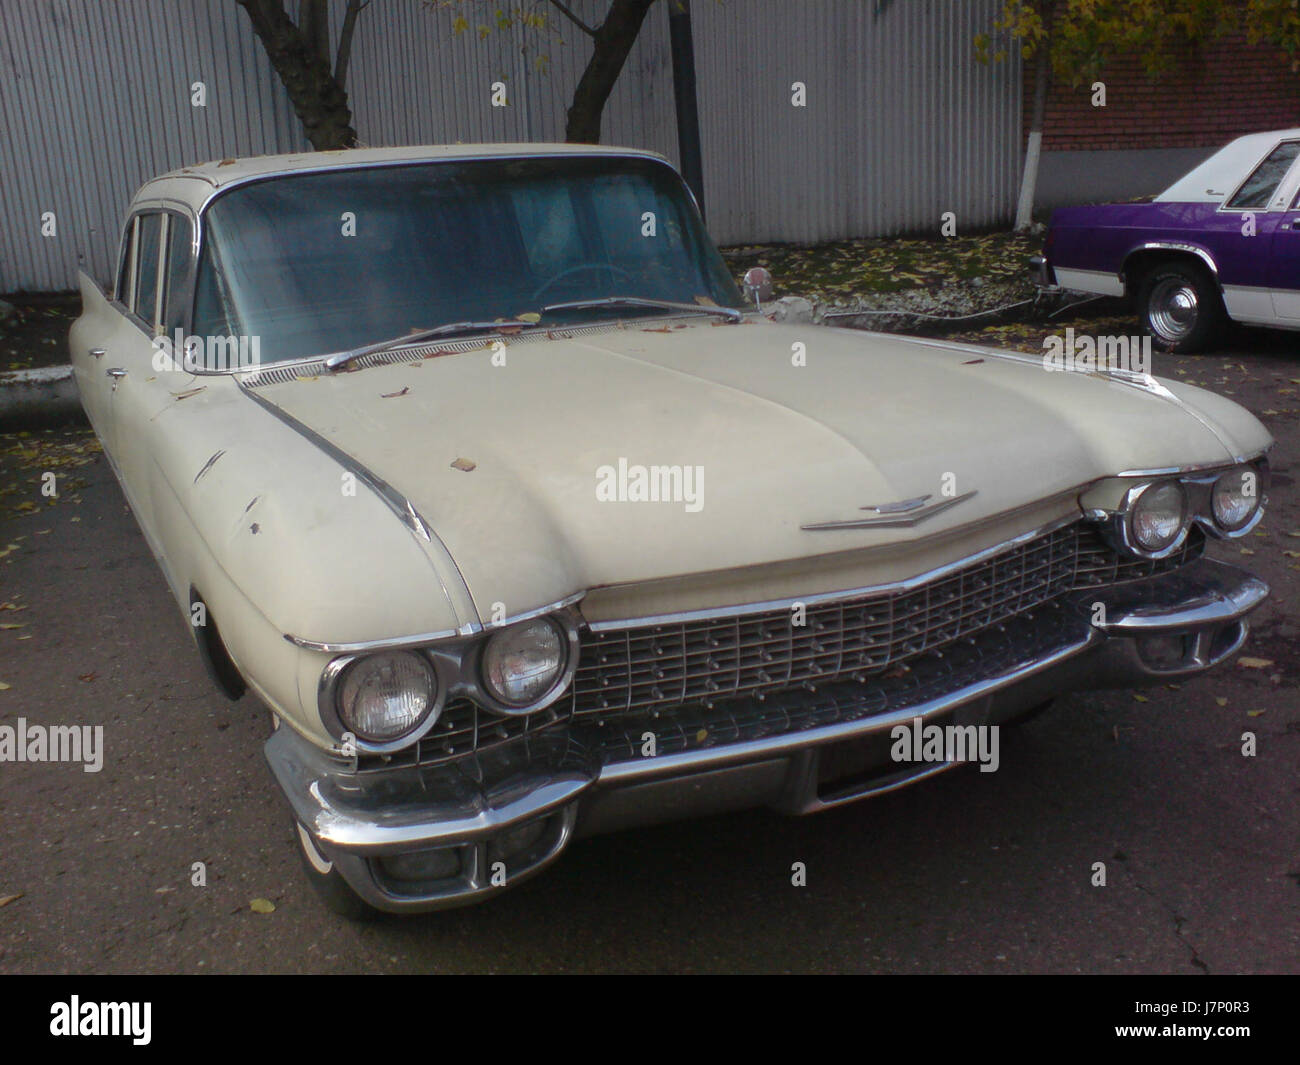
x: 476, y: 467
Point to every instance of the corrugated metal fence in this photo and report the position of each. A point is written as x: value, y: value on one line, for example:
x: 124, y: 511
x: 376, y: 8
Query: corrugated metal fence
x: 900, y: 123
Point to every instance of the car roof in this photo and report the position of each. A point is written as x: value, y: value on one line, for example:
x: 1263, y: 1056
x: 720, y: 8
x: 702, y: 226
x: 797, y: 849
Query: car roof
x: 194, y: 186
x: 1222, y: 172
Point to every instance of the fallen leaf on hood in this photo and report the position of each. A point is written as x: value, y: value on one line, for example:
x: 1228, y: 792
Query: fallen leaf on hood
x: 505, y: 329
x: 188, y: 392
x: 1247, y: 662
x: 1254, y: 713
x: 529, y: 316
x: 972, y: 362
x: 464, y: 464
x: 1141, y: 698
x: 5, y: 900
x: 12, y: 625
x: 1221, y: 701
x: 394, y: 395
x: 660, y: 329
x: 87, y: 677
x: 262, y: 906
x: 4, y: 687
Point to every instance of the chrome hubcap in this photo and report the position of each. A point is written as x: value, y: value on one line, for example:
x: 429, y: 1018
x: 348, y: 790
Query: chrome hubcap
x: 1173, y: 309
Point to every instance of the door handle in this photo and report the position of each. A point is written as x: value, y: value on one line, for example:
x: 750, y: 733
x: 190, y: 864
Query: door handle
x: 116, y: 373
x: 96, y: 353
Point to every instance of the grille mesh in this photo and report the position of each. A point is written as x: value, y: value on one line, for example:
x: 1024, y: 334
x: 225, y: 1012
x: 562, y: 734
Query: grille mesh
x: 887, y: 640
x: 657, y: 666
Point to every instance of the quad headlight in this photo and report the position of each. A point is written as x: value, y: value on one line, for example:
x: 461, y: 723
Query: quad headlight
x: 383, y: 697
x: 1158, y: 516
x: 1235, y: 498
x: 522, y: 663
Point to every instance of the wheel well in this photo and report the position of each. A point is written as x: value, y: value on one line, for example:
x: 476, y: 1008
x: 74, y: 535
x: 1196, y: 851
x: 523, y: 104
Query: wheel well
x: 1141, y: 262
x: 212, y: 650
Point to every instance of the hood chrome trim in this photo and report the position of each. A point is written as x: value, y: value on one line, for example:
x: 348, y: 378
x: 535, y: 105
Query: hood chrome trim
x: 904, y: 513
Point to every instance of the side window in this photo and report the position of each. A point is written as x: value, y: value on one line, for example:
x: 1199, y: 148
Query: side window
x: 1258, y: 189
x: 126, y: 269
x: 147, y: 242
x: 176, y: 280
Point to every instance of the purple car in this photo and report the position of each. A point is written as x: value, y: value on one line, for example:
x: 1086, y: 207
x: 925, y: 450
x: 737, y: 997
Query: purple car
x: 1222, y: 242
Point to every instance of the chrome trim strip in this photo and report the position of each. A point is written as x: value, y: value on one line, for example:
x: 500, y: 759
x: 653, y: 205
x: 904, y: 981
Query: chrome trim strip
x: 1174, y: 245
x: 892, y: 518
x: 829, y: 597
x: 1167, y: 471
x: 710, y: 757
x: 397, y: 643
x: 371, y: 645
x: 396, y: 502
x: 199, y: 214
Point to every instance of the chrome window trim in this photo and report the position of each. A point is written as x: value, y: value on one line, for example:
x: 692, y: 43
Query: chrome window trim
x: 130, y: 242
x: 200, y: 216
x: 1281, y: 191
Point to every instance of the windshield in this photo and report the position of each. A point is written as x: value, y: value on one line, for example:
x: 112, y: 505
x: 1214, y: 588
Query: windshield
x: 319, y: 263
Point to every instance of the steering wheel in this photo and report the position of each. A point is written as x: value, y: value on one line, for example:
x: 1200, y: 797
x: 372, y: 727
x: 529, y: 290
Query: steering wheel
x: 551, y: 282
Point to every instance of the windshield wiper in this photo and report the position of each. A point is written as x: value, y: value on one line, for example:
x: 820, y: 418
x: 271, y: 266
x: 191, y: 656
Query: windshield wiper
x: 638, y: 301
x: 340, y: 359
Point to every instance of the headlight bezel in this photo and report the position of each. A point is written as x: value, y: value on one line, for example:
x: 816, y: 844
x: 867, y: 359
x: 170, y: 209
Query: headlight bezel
x: 1134, y: 499
x: 456, y: 665
x: 1225, y: 529
x: 331, y: 691
x: 568, y: 646
x: 1197, y: 483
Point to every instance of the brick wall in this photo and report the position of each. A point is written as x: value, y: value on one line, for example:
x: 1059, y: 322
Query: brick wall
x: 1213, y: 92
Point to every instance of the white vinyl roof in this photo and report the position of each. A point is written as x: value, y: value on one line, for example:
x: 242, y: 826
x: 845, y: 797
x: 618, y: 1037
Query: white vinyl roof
x: 1225, y: 169
x: 195, y: 185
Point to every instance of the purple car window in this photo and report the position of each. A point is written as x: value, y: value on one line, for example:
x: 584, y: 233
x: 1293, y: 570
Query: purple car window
x: 1258, y: 189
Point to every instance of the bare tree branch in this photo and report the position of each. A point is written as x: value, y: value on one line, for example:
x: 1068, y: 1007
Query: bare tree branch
x: 564, y: 10
x: 355, y: 7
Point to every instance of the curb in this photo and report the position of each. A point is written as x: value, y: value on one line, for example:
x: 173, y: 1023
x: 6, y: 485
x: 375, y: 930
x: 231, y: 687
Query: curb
x: 39, y: 398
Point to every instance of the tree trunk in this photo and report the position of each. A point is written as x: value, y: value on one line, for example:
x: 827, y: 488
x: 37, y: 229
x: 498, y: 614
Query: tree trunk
x: 318, y: 99
x: 1033, y: 150
x: 613, y: 42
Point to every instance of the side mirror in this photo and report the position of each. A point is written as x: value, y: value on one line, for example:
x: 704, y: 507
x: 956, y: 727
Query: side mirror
x: 758, y: 285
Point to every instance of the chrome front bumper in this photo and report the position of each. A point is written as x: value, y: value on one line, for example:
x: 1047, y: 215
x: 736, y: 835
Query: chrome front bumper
x: 494, y: 818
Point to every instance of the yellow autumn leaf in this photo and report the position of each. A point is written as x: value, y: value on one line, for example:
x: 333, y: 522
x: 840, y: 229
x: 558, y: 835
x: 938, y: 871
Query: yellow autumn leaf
x: 1246, y: 662
x: 262, y: 906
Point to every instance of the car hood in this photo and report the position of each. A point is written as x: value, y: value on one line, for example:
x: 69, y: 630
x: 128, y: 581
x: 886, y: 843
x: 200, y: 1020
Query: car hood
x: 523, y: 459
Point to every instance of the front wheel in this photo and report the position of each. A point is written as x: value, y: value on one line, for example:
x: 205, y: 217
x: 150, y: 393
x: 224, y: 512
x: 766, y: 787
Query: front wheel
x: 1180, y: 307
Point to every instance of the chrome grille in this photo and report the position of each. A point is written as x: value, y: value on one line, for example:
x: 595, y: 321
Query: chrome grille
x: 905, y: 643
x: 657, y: 666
